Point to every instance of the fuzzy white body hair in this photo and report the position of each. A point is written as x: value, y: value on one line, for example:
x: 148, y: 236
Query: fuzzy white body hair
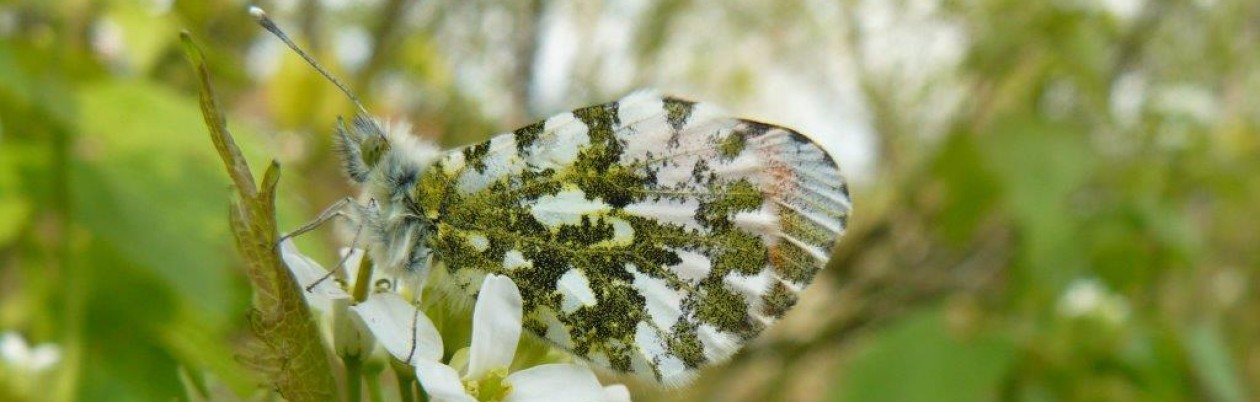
x: 391, y: 231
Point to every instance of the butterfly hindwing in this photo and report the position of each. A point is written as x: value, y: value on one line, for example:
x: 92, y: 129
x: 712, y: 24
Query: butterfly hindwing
x: 651, y: 235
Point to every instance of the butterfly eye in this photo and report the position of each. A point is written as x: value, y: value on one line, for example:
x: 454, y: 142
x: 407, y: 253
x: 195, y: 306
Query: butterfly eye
x: 373, y: 148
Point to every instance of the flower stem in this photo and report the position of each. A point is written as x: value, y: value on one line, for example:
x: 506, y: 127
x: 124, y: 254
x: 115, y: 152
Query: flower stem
x: 406, y: 382
x: 373, y: 376
x: 354, y: 379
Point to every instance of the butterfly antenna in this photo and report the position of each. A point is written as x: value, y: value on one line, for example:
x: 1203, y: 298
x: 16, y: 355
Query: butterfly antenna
x: 270, y: 26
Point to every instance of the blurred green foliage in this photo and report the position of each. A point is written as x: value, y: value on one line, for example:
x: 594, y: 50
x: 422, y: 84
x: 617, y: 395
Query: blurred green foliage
x: 1064, y: 211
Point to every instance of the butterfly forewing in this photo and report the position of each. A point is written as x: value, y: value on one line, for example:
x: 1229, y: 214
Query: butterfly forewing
x: 651, y: 235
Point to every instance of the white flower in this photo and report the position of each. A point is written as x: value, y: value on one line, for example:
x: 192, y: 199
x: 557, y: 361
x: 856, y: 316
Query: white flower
x: 1090, y: 298
x: 350, y: 337
x: 410, y: 336
x: 485, y: 377
x: 17, y: 354
x: 383, y: 316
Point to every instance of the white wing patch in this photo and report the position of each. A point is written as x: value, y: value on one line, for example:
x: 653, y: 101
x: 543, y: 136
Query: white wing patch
x: 558, y: 148
x: 513, y: 259
x: 692, y: 266
x: 497, y: 165
x: 576, y: 291
x: 565, y: 208
x: 669, y: 210
x: 663, y: 304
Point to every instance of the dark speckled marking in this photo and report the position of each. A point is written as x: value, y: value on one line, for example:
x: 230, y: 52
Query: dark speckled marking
x: 727, y: 311
x: 778, y: 300
x: 474, y: 156
x: 677, y: 112
x: 795, y: 264
x: 732, y: 145
x: 685, y: 343
x: 526, y: 136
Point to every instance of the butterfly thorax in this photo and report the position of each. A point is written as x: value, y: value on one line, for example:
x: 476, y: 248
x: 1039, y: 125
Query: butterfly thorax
x: 388, y: 164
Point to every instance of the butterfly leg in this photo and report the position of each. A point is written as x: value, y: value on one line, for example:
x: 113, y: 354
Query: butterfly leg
x: 338, y: 209
x: 335, y: 210
x: 415, y: 318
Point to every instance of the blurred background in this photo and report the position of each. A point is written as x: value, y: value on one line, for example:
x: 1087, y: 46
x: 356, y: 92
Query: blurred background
x: 1054, y: 200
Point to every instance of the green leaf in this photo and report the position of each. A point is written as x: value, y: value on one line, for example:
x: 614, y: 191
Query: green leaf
x: 145, y: 184
x: 919, y: 359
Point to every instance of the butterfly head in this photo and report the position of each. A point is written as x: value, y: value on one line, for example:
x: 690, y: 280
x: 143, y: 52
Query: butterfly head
x: 362, y: 146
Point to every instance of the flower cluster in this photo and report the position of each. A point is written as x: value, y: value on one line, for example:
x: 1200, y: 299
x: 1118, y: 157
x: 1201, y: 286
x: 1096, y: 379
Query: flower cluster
x: 481, y: 372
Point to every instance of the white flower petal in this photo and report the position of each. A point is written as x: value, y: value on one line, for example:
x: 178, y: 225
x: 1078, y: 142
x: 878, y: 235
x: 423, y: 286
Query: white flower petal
x: 350, y: 335
x: 616, y: 393
x: 391, y: 319
x: 496, y: 326
x: 554, y: 383
x: 307, y: 272
x: 441, y: 382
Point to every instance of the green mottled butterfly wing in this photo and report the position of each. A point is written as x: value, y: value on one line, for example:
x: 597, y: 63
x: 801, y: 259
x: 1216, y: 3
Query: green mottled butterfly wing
x: 649, y: 235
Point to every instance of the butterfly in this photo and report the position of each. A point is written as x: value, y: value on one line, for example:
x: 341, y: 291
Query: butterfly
x: 651, y: 235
